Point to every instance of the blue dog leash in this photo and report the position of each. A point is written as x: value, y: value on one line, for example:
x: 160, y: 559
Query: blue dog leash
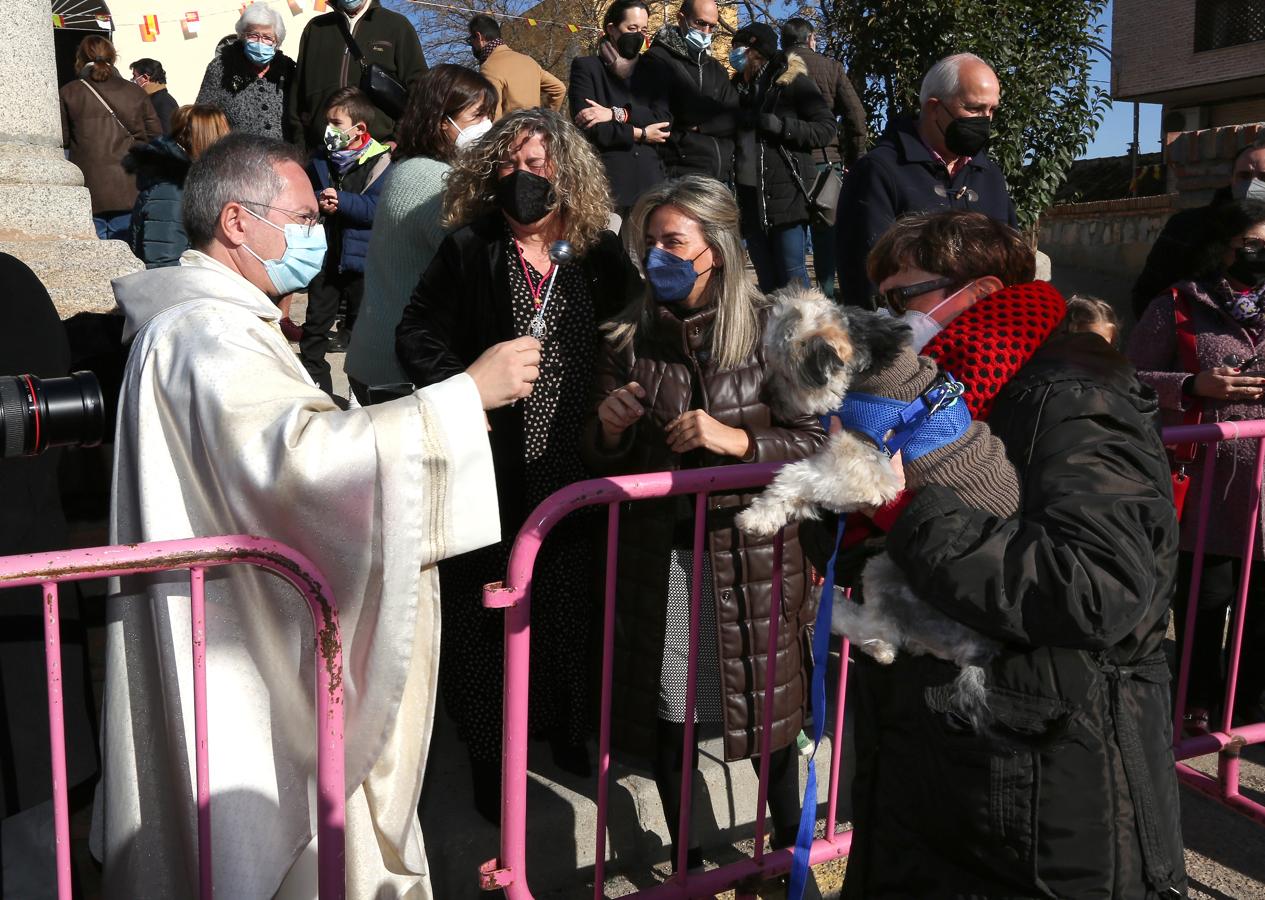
x: 934, y: 418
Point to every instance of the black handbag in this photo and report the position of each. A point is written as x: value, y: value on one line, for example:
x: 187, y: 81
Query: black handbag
x: 383, y: 88
x: 823, y: 196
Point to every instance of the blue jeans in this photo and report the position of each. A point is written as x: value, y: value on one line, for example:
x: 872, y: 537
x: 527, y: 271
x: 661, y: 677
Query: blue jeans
x: 113, y: 226
x: 778, y: 255
x: 824, y: 253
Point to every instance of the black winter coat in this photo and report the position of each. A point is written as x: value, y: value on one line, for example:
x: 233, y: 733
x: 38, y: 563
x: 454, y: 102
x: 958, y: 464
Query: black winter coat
x: 461, y: 308
x: 899, y: 175
x: 1175, y: 255
x: 703, y: 106
x: 164, y: 105
x: 158, y: 236
x: 671, y: 359
x: 771, y: 190
x: 631, y: 168
x: 324, y: 65
x: 1076, y: 773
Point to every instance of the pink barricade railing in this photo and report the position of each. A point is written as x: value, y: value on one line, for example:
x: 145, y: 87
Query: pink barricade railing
x: 197, y: 555
x: 509, y: 870
x: 1226, y: 739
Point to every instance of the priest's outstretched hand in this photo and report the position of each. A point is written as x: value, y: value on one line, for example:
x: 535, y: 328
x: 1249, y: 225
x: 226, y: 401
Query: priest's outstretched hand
x: 506, y: 371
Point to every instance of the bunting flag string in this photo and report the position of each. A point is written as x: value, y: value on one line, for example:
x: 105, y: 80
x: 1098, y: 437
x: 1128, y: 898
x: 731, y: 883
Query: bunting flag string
x: 190, y: 22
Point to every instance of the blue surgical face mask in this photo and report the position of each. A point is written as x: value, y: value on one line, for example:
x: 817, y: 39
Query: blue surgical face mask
x: 699, y: 40
x: 350, y: 5
x: 260, y: 53
x: 738, y: 58
x: 304, y: 255
x: 671, y: 277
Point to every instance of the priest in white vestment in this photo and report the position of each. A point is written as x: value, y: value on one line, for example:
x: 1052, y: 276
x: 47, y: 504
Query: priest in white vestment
x: 221, y: 431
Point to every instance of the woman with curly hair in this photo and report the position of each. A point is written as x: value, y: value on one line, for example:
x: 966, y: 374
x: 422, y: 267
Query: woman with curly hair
x: 532, y: 181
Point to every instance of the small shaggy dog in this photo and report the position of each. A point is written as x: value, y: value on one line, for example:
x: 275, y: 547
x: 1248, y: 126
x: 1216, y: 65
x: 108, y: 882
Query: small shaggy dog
x: 817, y: 352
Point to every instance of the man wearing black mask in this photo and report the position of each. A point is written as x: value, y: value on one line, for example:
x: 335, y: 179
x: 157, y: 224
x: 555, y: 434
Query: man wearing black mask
x: 702, y: 102
x: 936, y: 161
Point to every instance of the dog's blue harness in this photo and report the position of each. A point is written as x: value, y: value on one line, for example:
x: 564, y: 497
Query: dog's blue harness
x: 934, y: 418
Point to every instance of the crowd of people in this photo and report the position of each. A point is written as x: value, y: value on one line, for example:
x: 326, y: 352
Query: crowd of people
x: 537, y: 282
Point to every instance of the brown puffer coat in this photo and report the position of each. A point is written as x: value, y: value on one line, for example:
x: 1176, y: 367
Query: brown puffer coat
x: 98, y: 143
x: 674, y: 367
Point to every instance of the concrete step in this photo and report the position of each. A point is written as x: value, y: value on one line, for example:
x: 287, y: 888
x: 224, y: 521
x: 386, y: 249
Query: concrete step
x: 562, y: 814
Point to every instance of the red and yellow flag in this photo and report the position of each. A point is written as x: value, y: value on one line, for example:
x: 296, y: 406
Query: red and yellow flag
x: 574, y: 29
x: 147, y: 36
x: 320, y: 5
x: 150, y: 24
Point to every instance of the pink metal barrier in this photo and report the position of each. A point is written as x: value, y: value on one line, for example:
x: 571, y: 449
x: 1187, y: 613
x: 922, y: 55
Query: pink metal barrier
x: 1226, y: 740
x: 509, y: 870
x: 198, y: 555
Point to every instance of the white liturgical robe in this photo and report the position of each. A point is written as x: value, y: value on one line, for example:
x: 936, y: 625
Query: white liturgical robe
x: 221, y: 431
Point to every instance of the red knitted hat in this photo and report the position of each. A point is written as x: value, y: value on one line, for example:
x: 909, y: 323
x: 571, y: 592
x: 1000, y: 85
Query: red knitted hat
x: 988, y: 343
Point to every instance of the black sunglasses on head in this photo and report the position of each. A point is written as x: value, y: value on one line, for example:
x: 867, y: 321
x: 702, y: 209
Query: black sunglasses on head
x: 897, y: 298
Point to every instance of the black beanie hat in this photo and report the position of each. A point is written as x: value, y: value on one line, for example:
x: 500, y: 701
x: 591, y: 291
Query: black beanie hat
x: 759, y: 37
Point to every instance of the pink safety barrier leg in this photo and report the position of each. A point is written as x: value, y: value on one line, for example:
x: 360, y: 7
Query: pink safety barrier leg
x: 57, y: 736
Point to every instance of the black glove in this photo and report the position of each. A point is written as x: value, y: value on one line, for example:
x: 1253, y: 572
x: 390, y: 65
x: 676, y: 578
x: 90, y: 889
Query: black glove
x: 769, y: 124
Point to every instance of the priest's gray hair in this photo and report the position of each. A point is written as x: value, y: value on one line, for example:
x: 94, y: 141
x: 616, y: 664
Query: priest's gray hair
x: 943, y: 80
x: 257, y: 14
x: 237, y: 167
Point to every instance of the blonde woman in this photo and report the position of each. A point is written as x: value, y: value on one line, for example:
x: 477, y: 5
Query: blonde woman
x: 157, y: 235
x: 680, y: 385
x: 531, y: 181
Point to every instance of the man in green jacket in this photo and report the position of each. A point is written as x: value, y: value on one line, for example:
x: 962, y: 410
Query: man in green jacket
x: 325, y: 65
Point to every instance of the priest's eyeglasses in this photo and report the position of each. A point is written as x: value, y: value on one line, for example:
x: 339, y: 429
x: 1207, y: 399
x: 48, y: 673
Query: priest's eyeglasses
x: 310, y: 221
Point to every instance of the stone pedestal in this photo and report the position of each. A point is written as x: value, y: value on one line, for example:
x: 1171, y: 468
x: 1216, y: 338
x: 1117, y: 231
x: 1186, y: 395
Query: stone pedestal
x: 45, y: 211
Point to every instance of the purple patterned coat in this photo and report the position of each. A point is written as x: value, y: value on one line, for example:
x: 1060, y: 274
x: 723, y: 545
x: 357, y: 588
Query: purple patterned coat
x: 1153, y: 350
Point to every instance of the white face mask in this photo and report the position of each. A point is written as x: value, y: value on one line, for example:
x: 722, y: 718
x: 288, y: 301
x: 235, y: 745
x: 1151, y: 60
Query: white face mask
x: 1250, y: 189
x: 924, y: 325
x: 467, y: 136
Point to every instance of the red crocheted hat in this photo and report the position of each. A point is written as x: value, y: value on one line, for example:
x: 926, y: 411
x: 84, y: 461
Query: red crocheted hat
x: 987, y: 344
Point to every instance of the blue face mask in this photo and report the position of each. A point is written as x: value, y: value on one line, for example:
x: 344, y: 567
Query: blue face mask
x: 350, y: 5
x: 699, y: 40
x: 304, y: 255
x: 738, y: 58
x: 260, y: 53
x: 671, y: 277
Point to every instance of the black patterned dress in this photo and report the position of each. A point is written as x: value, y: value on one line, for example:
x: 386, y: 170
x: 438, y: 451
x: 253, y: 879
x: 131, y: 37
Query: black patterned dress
x: 563, y: 596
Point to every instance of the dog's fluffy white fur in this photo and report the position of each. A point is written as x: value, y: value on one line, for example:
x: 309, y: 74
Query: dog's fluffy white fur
x: 815, y: 350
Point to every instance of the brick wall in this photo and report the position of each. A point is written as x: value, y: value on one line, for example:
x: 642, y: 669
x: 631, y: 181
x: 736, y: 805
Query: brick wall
x: 1199, y: 162
x: 1153, y: 50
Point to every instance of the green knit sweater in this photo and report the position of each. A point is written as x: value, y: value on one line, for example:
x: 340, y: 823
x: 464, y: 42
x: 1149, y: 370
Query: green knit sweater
x: 406, y: 235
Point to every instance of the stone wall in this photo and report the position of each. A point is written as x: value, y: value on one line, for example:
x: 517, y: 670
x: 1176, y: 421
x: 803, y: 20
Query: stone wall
x: 1110, y: 236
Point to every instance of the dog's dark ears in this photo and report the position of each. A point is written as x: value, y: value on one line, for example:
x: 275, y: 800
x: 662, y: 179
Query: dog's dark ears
x: 818, y: 362
x: 884, y: 336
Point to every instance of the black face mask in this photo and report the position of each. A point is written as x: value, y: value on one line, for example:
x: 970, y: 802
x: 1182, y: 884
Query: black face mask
x: 1248, y: 266
x: 629, y: 44
x: 968, y: 135
x: 524, y: 196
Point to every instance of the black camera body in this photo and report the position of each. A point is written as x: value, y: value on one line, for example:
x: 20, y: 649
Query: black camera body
x: 39, y: 413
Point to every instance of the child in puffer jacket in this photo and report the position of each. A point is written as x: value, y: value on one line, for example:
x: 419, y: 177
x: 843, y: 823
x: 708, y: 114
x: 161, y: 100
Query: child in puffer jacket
x: 347, y: 175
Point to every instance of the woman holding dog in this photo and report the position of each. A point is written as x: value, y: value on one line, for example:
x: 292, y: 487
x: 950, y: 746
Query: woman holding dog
x: 681, y: 385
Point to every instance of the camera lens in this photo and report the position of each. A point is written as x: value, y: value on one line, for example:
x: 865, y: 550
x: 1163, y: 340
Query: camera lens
x: 36, y: 414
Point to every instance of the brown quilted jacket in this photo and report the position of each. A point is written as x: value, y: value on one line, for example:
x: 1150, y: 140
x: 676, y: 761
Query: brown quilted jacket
x: 673, y: 365
x: 98, y: 141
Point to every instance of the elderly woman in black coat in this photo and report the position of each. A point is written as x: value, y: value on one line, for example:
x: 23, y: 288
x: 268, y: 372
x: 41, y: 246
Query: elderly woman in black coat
x: 248, y: 78
x: 622, y: 107
x: 1070, y: 790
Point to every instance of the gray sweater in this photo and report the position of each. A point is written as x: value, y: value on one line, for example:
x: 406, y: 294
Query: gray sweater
x: 406, y: 235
